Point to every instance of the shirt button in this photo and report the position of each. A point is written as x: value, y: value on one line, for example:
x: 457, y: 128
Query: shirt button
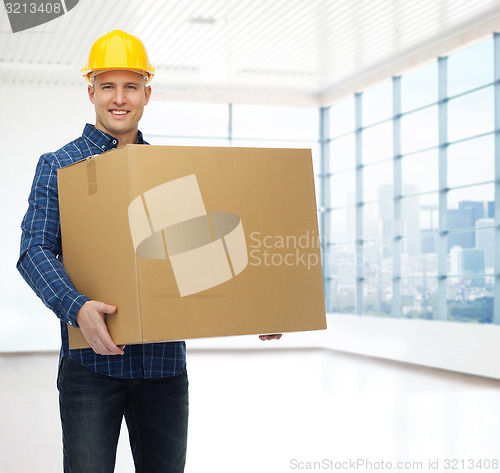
x: 103, y: 146
x: 114, y: 142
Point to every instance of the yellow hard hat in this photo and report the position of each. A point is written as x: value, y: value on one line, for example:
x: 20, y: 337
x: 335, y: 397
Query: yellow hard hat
x: 118, y: 50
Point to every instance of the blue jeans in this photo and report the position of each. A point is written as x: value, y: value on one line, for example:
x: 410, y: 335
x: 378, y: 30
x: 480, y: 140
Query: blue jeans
x: 92, y: 407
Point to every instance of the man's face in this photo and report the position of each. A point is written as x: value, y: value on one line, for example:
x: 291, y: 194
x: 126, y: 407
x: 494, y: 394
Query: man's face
x: 119, y: 98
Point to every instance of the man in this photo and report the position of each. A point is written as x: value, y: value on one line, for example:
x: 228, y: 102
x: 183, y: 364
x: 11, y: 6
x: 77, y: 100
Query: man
x: 147, y: 384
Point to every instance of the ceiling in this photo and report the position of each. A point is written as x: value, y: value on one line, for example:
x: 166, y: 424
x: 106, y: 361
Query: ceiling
x: 294, y: 51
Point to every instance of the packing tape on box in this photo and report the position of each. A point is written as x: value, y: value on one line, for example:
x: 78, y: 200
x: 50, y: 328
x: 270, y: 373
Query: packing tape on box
x: 91, y: 176
x: 170, y: 221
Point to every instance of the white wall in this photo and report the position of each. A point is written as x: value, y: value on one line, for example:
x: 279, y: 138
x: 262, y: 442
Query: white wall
x: 32, y: 121
x: 461, y: 347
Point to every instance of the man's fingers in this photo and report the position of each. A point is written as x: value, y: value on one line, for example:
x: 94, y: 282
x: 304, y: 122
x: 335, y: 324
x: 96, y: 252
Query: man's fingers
x: 106, y: 347
x: 275, y: 336
x: 105, y: 343
x: 106, y: 308
x: 91, y: 321
x: 109, y: 347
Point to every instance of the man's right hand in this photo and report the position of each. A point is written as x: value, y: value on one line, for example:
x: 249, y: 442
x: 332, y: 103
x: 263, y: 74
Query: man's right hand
x: 90, y: 319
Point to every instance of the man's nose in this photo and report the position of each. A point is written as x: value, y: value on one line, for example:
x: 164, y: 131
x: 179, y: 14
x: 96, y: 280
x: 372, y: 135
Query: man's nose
x: 119, y: 96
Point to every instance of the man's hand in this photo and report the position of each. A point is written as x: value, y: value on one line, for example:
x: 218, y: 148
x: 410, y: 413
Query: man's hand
x: 90, y: 319
x: 276, y: 336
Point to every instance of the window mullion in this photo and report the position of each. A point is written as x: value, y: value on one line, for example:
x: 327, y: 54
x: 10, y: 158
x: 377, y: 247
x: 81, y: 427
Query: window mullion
x: 359, y: 205
x: 397, y: 192
x: 443, y: 187
x: 324, y: 139
x: 496, y: 303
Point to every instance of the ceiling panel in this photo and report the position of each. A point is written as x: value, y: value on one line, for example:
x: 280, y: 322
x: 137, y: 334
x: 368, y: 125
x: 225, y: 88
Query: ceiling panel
x: 292, y: 48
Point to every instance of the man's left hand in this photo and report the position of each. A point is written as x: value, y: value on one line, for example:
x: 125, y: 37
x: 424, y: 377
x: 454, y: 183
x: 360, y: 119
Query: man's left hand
x: 275, y: 336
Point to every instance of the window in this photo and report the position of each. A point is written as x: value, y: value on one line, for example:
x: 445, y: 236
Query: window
x: 419, y: 87
x: 275, y: 123
x: 377, y: 104
x: 413, y: 193
x: 471, y: 114
x: 342, y: 118
x: 471, y: 161
x: 471, y: 67
x: 377, y: 143
x: 172, y: 119
x: 343, y: 153
x: 420, y: 170
x: 376, y: 179
x: 255, y: 126
x: 419, y: 130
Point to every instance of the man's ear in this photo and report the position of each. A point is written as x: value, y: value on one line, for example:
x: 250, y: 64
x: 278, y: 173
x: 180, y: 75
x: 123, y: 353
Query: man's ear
x: 91, y: 93
x: 147, y: 94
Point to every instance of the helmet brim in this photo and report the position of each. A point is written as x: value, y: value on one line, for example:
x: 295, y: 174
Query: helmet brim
x: 88, y: 73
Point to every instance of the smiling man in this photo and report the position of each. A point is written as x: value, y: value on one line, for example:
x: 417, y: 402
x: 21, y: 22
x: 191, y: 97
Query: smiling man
x: 99, y: 386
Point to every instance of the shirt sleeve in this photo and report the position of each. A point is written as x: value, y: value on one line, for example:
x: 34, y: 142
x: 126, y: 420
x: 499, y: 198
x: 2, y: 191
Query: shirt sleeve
x: 40, y: 260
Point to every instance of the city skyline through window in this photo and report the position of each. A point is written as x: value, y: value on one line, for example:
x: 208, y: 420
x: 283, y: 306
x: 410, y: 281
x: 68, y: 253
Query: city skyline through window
x: 411, y: 215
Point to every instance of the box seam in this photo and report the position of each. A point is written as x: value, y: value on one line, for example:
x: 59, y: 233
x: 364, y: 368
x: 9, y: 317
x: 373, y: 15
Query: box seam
x: 135, y: 255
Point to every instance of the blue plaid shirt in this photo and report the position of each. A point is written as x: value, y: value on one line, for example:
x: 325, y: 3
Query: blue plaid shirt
x: 40, y: 264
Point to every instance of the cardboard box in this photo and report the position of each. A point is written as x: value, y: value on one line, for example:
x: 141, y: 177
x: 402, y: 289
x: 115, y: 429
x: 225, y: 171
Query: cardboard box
x: 194, y: 242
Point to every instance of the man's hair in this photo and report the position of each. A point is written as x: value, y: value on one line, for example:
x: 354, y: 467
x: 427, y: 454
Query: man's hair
x: 95, y: 74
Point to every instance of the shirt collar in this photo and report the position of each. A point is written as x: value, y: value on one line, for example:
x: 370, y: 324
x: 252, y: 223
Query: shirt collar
x: 104, y: 141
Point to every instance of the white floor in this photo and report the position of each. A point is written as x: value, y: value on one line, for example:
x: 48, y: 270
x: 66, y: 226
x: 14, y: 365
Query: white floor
x: 281, y: 410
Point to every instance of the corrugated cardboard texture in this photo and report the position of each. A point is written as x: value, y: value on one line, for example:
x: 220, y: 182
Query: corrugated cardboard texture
x: 272, y: 192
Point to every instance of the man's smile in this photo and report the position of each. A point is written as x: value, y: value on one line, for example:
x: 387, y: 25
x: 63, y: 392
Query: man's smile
x: 119, y: 112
